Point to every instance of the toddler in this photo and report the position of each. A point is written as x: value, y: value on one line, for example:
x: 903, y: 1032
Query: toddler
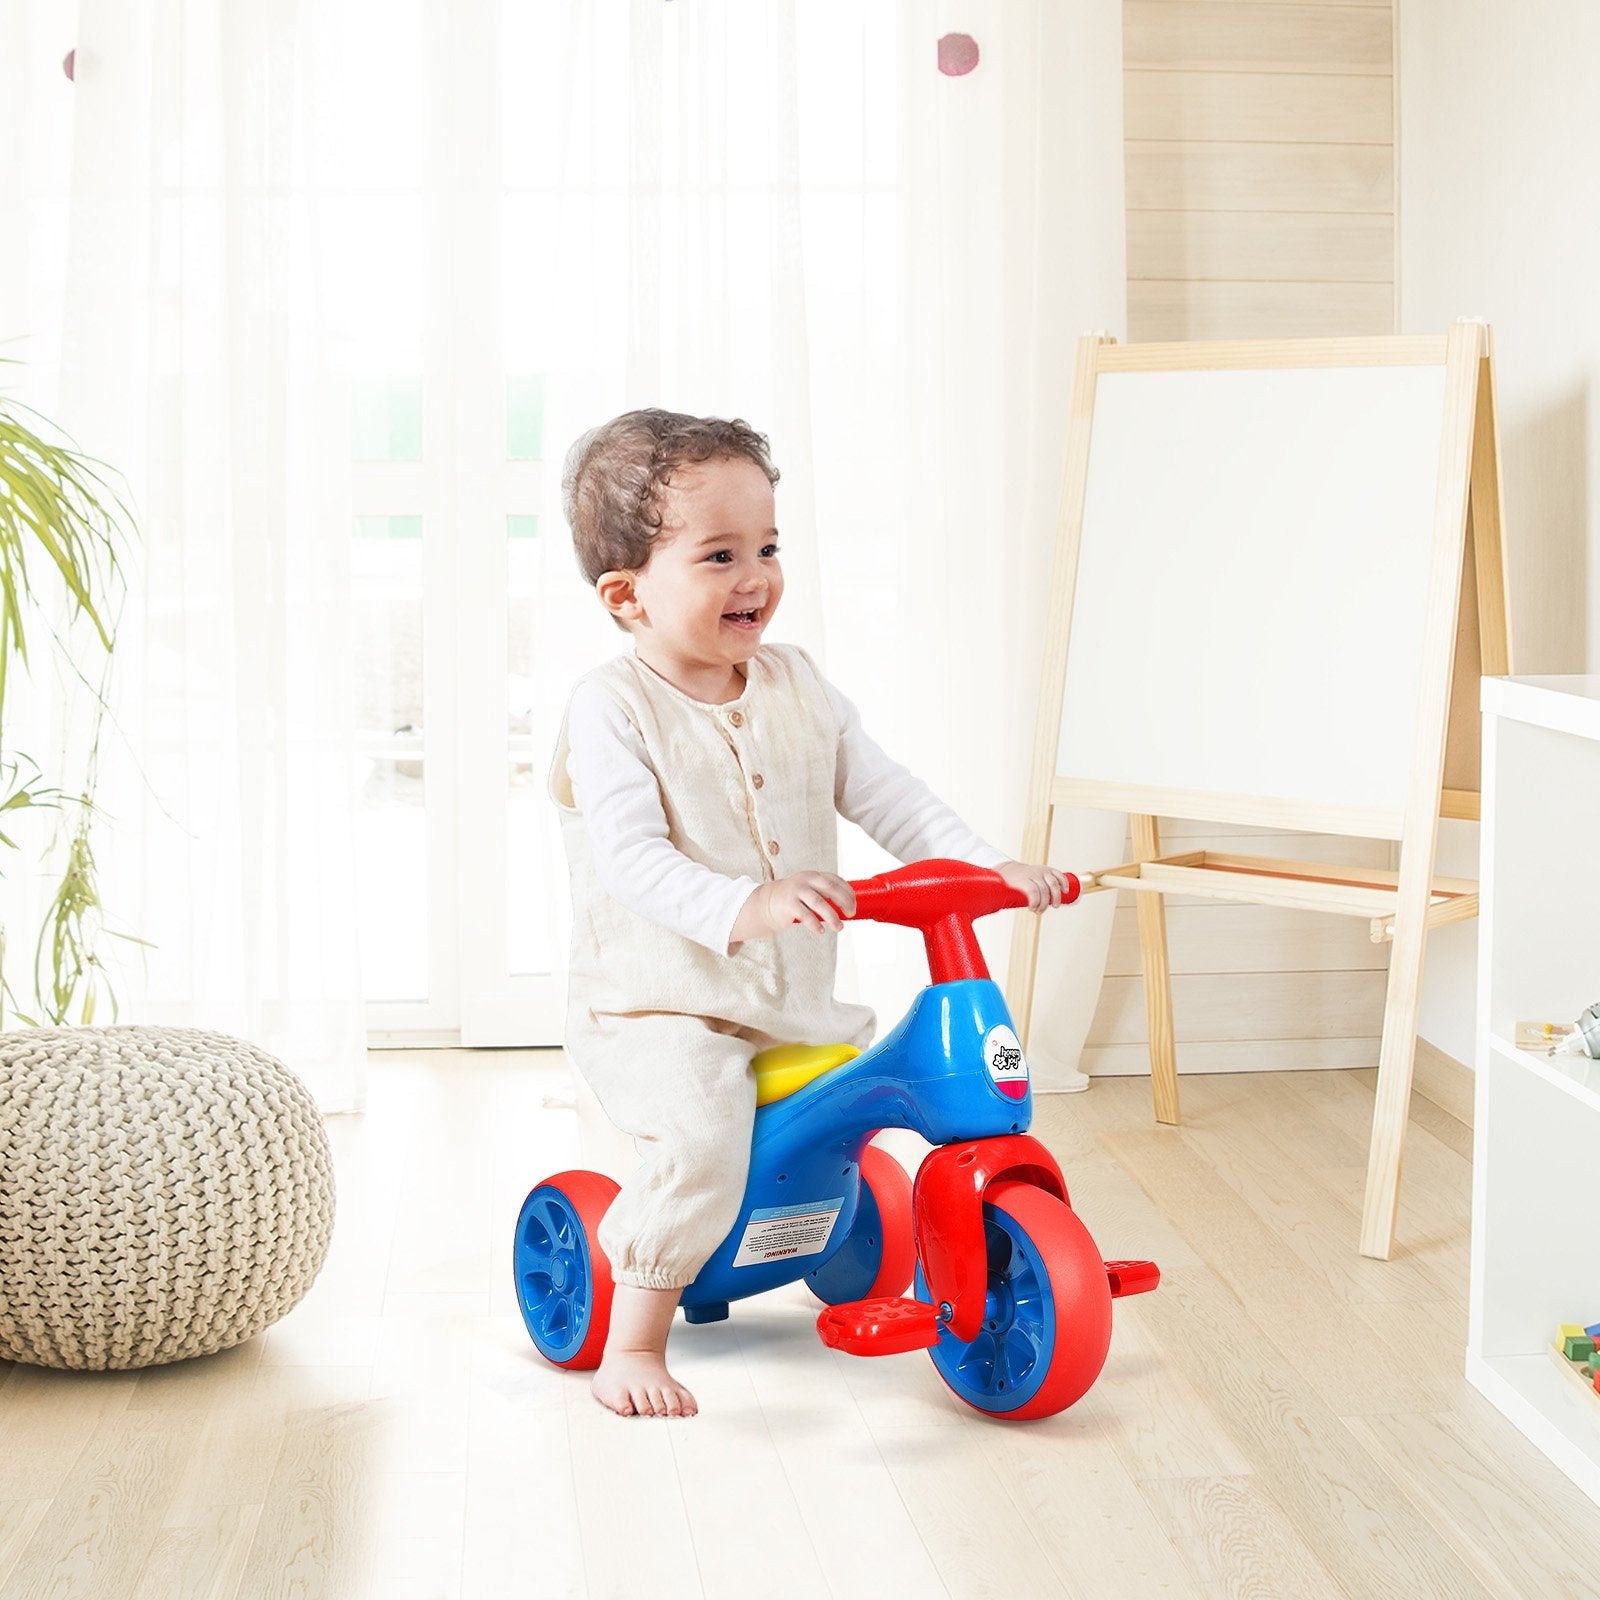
x: 698, y: 779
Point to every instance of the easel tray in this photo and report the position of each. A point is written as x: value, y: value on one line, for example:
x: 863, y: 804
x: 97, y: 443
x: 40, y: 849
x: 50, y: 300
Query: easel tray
x: 1370, y: 892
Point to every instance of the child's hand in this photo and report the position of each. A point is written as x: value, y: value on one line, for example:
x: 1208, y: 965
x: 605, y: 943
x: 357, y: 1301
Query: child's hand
x: 808, y: 898
x: 1044, y: 886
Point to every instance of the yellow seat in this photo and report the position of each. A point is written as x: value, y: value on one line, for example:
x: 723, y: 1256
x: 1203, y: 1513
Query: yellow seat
x: 787, y: 1067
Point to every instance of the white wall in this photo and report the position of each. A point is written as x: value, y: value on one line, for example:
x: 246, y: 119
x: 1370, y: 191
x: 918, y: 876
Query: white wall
x: 1499, y: 217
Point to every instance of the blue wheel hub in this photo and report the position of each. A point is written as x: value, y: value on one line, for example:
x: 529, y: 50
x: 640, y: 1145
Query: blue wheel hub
x: 1004, y: 1365
x: 554, y: 1283
x: 999, y: 1308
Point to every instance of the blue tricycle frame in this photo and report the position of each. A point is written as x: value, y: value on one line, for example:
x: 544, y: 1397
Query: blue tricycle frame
x: 1012, y: 1297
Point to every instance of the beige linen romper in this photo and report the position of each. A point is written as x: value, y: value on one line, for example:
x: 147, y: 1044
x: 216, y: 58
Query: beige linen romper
x: 660, y: 1027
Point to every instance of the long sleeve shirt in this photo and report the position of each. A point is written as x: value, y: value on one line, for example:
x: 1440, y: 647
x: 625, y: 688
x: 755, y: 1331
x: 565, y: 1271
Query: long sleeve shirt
x: 617, y: 790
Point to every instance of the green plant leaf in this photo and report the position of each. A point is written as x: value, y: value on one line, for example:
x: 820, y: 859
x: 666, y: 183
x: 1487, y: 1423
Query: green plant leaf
x: 61, y: 519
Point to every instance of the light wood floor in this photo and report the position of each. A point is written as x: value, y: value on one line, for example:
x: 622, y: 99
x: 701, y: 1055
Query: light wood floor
x: 1280, y: 1419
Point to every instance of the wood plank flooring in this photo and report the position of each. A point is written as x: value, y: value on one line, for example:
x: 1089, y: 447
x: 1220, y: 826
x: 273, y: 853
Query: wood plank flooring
x: 1281, y: 1419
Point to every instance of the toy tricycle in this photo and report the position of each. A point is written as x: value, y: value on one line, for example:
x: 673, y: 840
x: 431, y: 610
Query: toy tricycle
x: 1012, y: 1298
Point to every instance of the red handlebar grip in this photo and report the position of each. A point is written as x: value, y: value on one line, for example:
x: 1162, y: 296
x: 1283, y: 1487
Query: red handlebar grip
x: 926, y: 892
x: 942, y: 898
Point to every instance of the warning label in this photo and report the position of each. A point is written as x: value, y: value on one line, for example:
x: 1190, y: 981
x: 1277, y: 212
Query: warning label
x: 781, y: 1231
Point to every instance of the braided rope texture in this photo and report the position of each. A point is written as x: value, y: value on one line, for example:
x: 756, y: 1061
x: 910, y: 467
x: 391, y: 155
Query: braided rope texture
x: 164, y: 1193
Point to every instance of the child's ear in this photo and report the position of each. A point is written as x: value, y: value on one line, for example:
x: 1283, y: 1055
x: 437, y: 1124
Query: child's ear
x: 618, y: 595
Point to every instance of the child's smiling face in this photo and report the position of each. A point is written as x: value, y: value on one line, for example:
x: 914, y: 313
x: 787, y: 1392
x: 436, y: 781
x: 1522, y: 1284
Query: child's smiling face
x: 698, y: 607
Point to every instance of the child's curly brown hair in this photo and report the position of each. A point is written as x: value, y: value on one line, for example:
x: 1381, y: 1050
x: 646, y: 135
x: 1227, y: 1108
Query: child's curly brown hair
x: 612, y: 482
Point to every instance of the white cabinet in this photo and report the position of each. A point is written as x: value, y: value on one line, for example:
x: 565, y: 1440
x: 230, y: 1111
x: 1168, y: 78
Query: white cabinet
x: 1536, y: 1146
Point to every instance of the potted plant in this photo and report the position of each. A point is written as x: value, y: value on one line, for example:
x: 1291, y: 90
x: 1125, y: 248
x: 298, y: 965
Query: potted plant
x: 62, y: 530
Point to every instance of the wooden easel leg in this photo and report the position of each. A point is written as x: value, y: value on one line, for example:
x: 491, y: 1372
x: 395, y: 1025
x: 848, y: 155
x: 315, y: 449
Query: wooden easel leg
x: 1396, y: 1058
x: 1157, y: 979
x: 1467, y: 491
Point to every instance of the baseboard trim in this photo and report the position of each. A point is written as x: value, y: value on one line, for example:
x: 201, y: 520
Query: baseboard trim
x: 1445, y: 1081
x: 1437, y: 1076
x: 1226, y: 1055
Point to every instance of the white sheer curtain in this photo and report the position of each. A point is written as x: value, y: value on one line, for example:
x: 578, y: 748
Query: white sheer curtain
x: 190, y: 359
x: 1011, y: 241
x: 35, y: 133
x: 795, y: 217
x: 779, y: 209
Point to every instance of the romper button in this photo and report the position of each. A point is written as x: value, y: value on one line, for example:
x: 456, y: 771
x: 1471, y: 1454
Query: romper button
x: 772, y: 847
x: 736, y: 718
x: 758, y: 780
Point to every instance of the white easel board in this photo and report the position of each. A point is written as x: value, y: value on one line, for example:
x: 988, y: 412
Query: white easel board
x: 1264, y: 553
x: 1250, y: 609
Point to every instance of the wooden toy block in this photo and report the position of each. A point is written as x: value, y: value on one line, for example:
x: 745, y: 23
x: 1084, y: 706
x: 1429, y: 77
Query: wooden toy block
x: 1586, y: 1373
x: 1577, y: 1347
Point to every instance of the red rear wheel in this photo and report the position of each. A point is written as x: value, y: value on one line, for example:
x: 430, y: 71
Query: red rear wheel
x: 879, y: 1255
x: 564, y: 1282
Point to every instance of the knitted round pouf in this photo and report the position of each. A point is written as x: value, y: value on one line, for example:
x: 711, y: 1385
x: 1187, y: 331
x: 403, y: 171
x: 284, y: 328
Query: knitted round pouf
x: 164, y: 1193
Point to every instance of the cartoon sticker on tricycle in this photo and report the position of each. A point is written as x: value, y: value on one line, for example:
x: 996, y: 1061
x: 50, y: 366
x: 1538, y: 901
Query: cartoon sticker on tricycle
x: 1012, y: 1298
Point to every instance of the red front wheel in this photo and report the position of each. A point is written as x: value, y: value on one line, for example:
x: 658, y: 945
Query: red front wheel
x: 1047, y: 1311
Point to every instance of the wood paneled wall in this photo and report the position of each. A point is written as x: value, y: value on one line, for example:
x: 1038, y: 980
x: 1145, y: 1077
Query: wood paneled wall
x: 1260, y: 168
x: 1260, y: 183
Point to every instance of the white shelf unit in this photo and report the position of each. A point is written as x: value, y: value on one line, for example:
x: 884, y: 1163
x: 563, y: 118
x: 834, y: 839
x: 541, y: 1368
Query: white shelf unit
x: 1536, y: 1144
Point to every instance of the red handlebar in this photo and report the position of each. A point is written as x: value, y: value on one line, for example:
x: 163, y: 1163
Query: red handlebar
x: 942, y: 898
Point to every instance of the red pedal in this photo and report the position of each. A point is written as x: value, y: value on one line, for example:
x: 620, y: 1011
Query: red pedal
x: 1132, y: 1277
x: 888, y: 1326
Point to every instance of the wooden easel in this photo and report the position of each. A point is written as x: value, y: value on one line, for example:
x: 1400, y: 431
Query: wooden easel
x: 1401, y: 904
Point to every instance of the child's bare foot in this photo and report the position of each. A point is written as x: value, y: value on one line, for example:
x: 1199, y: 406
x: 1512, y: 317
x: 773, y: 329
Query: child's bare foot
x: 636, y: 1383
x: 632, y: 1379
